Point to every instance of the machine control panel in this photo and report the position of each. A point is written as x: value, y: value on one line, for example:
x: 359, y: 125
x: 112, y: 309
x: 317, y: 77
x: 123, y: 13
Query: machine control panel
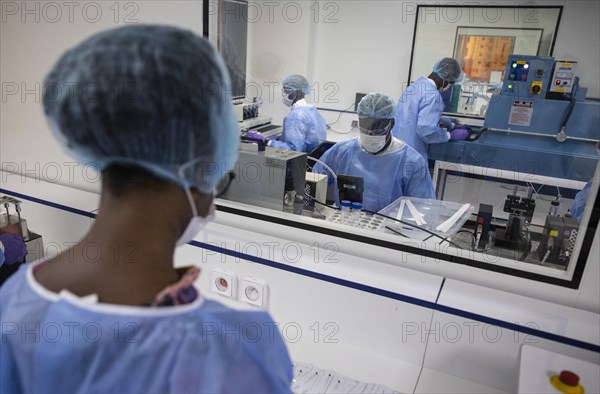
x: 563, y: 76
x: 519, y: 70
x: 527, y: 76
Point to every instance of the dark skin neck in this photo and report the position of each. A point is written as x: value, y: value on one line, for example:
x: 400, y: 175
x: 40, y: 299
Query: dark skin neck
x: 439, y: 82
x: 127, y: 256
x: 299, y: 96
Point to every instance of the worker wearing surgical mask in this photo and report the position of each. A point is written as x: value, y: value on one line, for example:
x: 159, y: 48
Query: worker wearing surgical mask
x: 419, y: 119
x: 303, y: 128
x: 390, y: 168
x: 128, y: 321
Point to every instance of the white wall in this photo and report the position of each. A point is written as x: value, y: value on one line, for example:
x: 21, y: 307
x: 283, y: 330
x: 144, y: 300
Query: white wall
x: 32, y: 37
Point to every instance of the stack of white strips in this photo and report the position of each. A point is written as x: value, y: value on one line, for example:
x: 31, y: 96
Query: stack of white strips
x: 414, y: 212
x: 311, y: 379
x: 444, y: 227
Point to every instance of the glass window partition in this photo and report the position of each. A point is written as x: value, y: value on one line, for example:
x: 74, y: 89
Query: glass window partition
x: 516, y: 197
x: 481, y: 38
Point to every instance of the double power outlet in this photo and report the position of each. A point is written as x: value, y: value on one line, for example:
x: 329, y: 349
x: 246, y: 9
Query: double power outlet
x: 251, y: 290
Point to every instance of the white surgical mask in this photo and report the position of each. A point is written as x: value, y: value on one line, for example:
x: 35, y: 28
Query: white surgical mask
x: 286, y: 100
x: 372, y: 143
x: 196, y: 224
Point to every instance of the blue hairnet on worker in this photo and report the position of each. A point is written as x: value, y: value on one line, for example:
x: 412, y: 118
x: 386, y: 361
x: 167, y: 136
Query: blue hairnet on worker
x: 149, y: 106
x: 390, y: 168
x: 303, y: 128
x: 419, y: 119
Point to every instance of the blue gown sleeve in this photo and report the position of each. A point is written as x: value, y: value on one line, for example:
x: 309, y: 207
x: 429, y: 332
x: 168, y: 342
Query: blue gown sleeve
x: 580, y: 200
x: 428, y: 128
x: 448, y: 123
x: 294, y: 133
x: 418, y: 181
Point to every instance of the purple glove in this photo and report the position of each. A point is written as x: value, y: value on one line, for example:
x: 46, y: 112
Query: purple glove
x: 459, y: 133
x: 256, y: 136
x: 14, y: 248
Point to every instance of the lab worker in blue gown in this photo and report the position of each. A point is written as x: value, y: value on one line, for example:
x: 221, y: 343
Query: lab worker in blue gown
x: 418, y: 117
x: 579, y: 202
x: 122, y: 319
x: 390, y: 168
x: 303, y: 128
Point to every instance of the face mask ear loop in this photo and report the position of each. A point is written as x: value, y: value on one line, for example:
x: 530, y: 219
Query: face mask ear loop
x: 188, y: 193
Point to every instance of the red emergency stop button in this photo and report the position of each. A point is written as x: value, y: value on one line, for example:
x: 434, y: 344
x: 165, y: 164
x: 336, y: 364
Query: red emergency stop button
x: 569, y: 378
x: 567, y: 382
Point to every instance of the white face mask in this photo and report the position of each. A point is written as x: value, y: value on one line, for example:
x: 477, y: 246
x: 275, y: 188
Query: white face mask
x: 286, y: 100
x: 196, y: 224
x: 372, y: 143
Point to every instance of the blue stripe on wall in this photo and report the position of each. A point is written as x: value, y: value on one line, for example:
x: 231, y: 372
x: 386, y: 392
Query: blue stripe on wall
x: 48, y: 203
x: 354, y: 285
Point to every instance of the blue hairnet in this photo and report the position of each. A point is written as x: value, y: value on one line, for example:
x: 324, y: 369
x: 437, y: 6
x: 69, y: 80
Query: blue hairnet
x: 376, y: 106
x: 152, y: 96
x: 296, y: 82
x: 448, y: 69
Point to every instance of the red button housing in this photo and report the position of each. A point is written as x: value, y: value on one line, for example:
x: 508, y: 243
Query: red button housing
x: 569, y: 378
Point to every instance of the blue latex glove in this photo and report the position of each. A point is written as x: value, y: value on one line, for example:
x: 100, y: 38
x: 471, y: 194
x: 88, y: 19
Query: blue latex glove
x: 14, y: 248
x: 460, y: 133
x: 256, y: 136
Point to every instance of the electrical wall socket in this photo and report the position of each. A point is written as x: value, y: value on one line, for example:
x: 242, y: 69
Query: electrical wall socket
x: 224, y: 282
x: 254, y: 292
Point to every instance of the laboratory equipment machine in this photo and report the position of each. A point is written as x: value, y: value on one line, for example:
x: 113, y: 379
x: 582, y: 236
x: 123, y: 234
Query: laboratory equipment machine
x: 269, y: 177
x: 520, y: 210
x: 558, y: 241
x: 539, y: 123
x: 12, y: 221
x: 542, y: 96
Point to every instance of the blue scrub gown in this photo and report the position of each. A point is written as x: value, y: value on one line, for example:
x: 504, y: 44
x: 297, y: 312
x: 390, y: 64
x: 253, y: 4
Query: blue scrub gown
x: 60, y: 343
x: 303, y: 129
x: 400, y: 171
x: 418, y: 115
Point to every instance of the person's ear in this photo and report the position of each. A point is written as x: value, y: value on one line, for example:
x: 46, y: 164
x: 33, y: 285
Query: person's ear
x: 392, y: 123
